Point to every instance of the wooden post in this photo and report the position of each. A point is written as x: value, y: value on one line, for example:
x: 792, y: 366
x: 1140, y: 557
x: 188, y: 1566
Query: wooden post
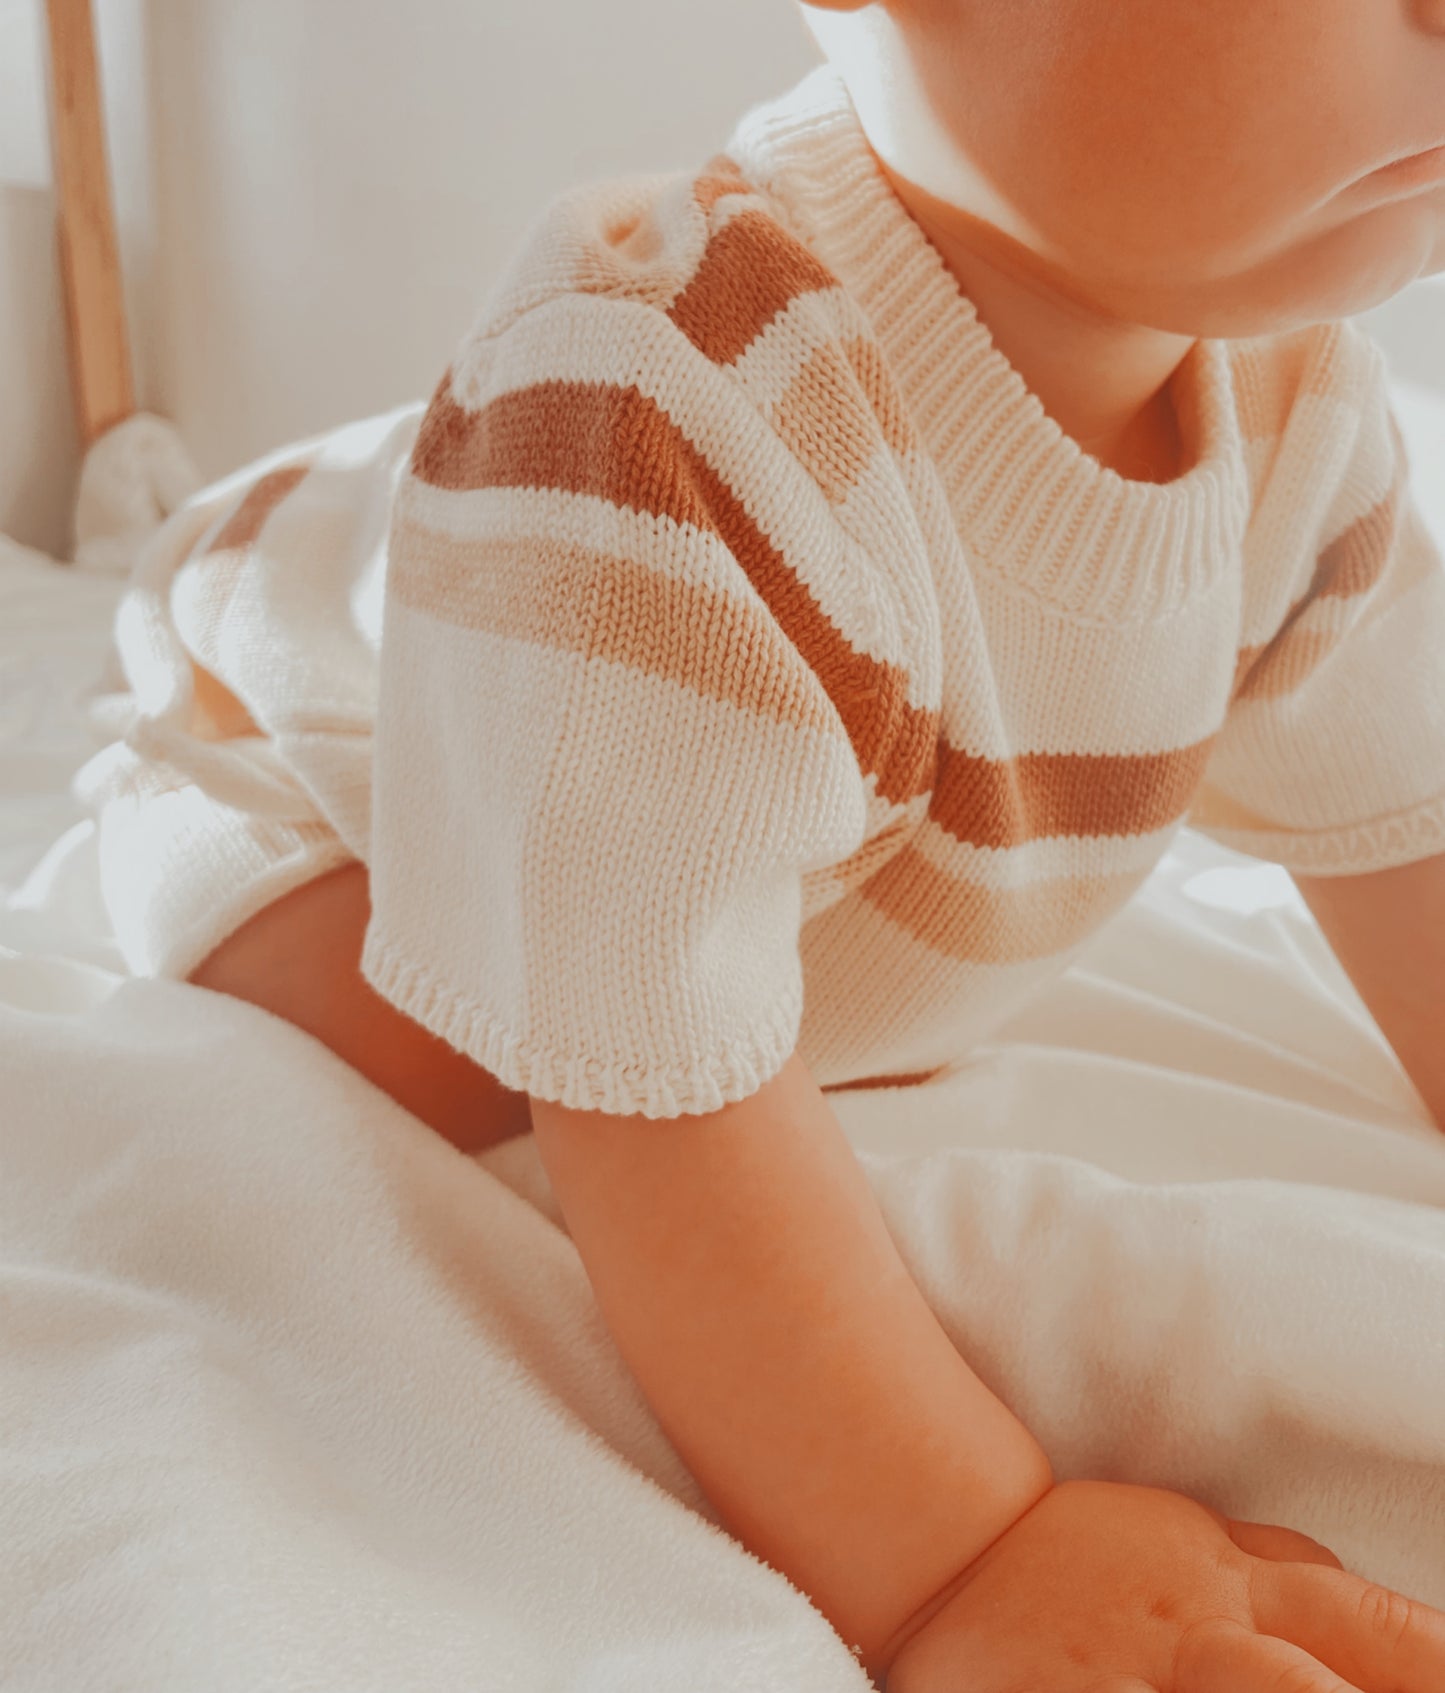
x: 100, y: 368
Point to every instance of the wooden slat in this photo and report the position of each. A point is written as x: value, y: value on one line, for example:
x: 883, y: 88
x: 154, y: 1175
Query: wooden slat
x: 100, y: 366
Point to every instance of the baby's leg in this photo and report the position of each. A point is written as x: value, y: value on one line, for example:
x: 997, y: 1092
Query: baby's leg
x: 300, y: 958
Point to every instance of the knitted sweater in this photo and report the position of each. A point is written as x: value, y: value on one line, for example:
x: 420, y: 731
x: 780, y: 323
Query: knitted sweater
x: 753, y: 664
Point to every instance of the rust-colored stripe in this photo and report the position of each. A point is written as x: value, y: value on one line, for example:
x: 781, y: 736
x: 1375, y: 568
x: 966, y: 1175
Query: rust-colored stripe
x: 908, y: 1079
x: 1002, y: 803
x: 750, y: 273
x: 618, y: 445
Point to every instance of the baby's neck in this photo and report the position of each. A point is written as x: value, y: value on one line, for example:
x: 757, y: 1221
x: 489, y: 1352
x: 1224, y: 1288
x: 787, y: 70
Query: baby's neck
x: 1151, y: 449
x: 1107, y: 384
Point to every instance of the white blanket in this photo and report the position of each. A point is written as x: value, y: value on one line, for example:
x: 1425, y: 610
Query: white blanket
x: 295, y: 1396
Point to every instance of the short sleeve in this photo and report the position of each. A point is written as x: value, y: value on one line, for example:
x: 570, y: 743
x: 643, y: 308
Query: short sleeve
x: 1331, y: 760
x: 604, y: 759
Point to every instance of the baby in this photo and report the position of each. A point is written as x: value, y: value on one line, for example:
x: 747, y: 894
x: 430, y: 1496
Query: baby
x: 819, y: 588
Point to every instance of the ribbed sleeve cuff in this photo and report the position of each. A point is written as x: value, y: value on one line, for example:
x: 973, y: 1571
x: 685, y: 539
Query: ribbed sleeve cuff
x: 1404, y: 837
x: 180, y: 872
x: 583, y: 1083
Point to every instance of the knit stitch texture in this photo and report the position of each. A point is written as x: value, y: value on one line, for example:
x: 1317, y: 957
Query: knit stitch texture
x: 733, y: 656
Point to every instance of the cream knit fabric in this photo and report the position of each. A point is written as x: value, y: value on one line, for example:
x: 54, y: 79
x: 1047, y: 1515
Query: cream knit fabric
x: 762, y: 667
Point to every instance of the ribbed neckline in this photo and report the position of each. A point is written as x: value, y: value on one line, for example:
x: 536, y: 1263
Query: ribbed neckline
x: 1029, y: 503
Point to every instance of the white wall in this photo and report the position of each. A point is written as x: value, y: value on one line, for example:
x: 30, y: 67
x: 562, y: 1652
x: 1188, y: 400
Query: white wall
x: 315, y: 195
x: 340, y: 182
x: 1411, y: 329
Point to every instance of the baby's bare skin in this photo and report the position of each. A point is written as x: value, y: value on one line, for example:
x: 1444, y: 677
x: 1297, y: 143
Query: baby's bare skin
x: 1105, y: 1587
x: 300, y: 958
x: 1110, y: 180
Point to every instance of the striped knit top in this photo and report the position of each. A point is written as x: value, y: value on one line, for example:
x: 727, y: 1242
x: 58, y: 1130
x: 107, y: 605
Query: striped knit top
x: 762, y: 668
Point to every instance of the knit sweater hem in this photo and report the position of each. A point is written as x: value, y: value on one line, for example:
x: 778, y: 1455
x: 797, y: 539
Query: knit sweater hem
x: 582, y: 1083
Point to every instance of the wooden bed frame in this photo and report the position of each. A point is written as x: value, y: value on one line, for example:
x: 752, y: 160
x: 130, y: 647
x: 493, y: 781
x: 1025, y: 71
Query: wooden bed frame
x: 100, y: 363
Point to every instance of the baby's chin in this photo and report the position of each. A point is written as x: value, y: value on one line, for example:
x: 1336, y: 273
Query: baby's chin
x: 1338, y: 273
x: 1354, y: 268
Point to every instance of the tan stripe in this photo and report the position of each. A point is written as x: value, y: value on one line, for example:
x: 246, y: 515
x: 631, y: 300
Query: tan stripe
x: 1243, y: 659
x: 1351, y: 565
x: 872, y: 855
x: 866, y: 358
x: 1285, y: 664
x: 1355, y: 562
x: 830, y: 385
x: 968, y: 921
x: 601, y: 605
x: 1215, y: 808
x: 249, y: 518
x: 217, y: 714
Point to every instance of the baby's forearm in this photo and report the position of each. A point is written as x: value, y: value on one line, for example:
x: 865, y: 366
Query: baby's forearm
x: 750, y: 1282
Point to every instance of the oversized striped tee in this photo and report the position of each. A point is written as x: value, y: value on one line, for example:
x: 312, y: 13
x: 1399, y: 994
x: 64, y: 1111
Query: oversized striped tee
x: 756, y: 665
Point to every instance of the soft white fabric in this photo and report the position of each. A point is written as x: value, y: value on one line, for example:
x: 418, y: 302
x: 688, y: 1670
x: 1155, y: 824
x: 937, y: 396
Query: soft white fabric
x: 57, y: 657
x: 296, y: 1396
x: 131, y: 480
x: 55, y: 652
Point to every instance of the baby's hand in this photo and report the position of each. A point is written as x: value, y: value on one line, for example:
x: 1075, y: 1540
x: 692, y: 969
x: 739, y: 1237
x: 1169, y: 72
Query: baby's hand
x: 1104, y: 1587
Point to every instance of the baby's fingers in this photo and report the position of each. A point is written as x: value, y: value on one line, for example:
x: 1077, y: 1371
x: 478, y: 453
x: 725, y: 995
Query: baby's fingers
x: 1284, y: 1545
x: 1227, y: 1657
x: 1377, y: 1639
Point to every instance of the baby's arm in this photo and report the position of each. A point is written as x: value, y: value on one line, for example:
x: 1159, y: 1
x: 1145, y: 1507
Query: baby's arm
x: 299, y: 958
x: 744, y: 1270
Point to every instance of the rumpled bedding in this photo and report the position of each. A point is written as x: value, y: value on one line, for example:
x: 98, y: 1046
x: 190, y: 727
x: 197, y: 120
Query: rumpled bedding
x: 296, y: 1396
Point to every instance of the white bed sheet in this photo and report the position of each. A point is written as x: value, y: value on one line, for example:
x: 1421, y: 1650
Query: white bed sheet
x: 55, y: 649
